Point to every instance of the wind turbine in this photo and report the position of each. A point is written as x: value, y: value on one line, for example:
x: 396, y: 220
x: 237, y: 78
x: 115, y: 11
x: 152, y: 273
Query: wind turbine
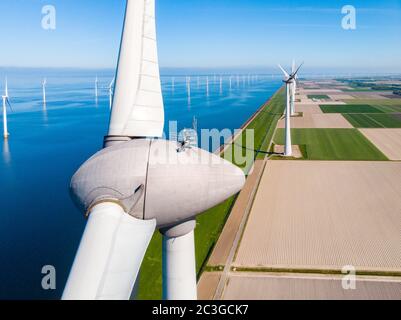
x: 288, y: 80
x: 140, y: 182
x: 96, y: 89
x: 111, y: 92
x: 189, y: 90
x: 44, y: 82
x: 6, y: 102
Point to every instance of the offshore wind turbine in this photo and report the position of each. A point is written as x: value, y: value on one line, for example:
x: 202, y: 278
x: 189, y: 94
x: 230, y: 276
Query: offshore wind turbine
x: 111, y: 91
x: 288, y: 80
x: 6, y: 102
x: 189, y: 90
x: 44, y: 82
x: 96, y: 89
x: 140, y: 182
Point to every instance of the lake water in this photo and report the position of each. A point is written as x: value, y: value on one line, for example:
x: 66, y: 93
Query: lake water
x: 38, y: 223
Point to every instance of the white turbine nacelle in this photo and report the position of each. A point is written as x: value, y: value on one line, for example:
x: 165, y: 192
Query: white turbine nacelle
x: 175, y: 186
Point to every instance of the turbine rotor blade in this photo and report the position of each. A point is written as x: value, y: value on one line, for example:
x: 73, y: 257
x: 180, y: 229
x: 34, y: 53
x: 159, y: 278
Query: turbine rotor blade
x: 285, y: 72
x: 109, y: 256
x: 296, y: 72
x: 9, y: 104
x: 6, y: 88
x: 138, y: 109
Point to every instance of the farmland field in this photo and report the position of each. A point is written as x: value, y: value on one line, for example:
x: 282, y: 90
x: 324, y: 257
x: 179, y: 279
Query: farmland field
x: 374, y: 120
x: 350, y: 108
x: 385, y: 105
x: 332, y: 144
x: 318, y: 96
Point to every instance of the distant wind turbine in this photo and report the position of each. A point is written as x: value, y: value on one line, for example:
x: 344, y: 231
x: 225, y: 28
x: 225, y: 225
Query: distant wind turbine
x: 111, y: 92
x: 44, y: 82
x: 96, y: 89
x: 189, y: 90
x: 6, y: 102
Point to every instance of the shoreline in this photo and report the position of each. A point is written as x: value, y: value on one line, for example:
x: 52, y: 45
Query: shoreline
x: 234, y: 137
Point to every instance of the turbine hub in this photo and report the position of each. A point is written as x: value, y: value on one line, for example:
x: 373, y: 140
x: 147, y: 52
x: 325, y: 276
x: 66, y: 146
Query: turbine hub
x: 151, y: 179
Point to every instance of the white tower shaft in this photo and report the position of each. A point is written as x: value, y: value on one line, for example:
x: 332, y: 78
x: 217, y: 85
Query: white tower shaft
x: 96, y: 89
x: 288, y: 143
x: 293, y: 91
x: 44, y: 94
x: 179, y: 269
x: 5, y: 129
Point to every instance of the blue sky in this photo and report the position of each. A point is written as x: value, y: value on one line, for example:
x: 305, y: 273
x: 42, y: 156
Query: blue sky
x: 208, y: 34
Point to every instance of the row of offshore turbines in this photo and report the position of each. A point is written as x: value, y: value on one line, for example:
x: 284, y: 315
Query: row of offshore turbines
x: 206, y: 81
x: 7, y: 103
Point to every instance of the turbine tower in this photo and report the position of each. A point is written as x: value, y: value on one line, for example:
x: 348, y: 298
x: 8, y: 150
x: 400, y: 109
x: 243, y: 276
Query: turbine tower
x: 140, y: 182
x: 289, y: 81
x: 44, y: 82
x: 6, y: 102
x: 96, y: 89
x: 111, y: 92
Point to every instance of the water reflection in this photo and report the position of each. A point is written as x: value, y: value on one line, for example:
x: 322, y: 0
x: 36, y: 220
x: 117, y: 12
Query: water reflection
x: 6, y: 152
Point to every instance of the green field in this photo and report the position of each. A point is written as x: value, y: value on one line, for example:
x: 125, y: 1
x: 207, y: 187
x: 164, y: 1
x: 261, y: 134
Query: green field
x: 211, y: 223
x: 332, y: 144
x: 385, y: 105
x: 385, y: 120
x: 350, y: 108
x: 318, y: 96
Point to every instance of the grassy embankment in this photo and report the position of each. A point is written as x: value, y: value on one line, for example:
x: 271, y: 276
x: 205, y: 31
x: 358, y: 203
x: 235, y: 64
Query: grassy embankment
x: 210, y: 224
